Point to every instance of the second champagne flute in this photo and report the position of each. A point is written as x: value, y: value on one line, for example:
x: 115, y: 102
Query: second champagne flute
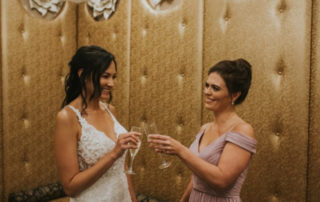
x: 152, y: 129
x: 133, y: 152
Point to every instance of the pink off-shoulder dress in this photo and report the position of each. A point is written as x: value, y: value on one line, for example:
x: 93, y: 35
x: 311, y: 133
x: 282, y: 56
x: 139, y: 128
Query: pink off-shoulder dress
x: 201, y: 191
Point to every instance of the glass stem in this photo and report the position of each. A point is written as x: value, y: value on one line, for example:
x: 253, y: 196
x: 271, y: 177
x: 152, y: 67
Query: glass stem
x: 162, y: 159
x: 131, y: 162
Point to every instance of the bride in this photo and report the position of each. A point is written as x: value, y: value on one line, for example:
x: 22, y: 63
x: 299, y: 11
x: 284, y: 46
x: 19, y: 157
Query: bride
x: 89, y: 141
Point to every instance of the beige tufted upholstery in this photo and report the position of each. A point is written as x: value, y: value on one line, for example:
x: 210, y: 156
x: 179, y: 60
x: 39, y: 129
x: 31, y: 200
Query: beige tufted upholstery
x: 274, y: 37
x: 163, y: 57
x: 314, y: 138
x: 114, y: 36
x: 35, y: 53
x: 165, y: 86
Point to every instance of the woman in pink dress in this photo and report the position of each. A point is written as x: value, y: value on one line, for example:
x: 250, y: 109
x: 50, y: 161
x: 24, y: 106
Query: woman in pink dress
x: 221, y: 152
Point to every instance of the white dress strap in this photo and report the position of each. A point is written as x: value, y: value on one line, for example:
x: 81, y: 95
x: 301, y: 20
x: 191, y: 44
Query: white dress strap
x: 106, y: 107
x: 80, y: 118
x: 118, y: 128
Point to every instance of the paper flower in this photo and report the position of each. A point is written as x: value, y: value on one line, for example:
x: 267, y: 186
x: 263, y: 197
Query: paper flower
x: 102, y: 7
x: 154, y: 3
x: 43, y: 6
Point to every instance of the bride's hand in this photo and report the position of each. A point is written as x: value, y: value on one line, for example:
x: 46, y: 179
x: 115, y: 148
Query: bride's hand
x: 123, y: 143
x: 165, y: 144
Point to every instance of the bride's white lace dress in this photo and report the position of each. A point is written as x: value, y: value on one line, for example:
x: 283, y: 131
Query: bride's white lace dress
x: 94, y: 144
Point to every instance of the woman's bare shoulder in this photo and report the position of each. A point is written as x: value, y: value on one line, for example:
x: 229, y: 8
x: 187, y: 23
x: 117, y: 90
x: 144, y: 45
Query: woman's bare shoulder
x: 67, y: 124
x: 244, y: 128
x: 66, y: 116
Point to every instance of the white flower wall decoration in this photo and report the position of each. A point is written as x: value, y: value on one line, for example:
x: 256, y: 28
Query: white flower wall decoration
x: 102, y: 7
x: 154, y: 3
x: 43, y: 6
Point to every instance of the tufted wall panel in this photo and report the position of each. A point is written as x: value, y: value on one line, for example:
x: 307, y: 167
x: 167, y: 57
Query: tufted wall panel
x: 113, y: 35
x: 163, y: 56
x: 274, y: 37
x: 314, y: 140
x: 1, y: 125
x: 34, y: 61
x: 165, y: 88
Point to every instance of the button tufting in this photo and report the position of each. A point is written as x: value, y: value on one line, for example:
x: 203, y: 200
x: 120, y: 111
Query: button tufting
x: 26, y: 123
x: 227, y: 15
x: 62, y: 80
x: 24, y: 35
x: 275, y: 141
x: 178, y: 179
x: 26, y: 79
x: 114, y: 35
x: 182, y: 26
x: 274, y: 198
x: 180, y: 77
x: 62, y: 39
x: 280, y: 67
x: 180, y: 121
x: 25, y: 158
x: 179, y: 129
x: 282, y: 6
x: 21, y: 28
x: 143, y: 118
x: 143, y: 79
x: 277, y: 129
x: 144, y: 32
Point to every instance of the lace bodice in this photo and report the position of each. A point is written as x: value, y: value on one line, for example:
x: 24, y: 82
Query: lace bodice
x: 93, y: 145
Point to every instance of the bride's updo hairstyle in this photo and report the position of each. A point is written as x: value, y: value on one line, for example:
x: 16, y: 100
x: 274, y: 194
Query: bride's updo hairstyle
x: 237, y: 76
x: 93, y: 61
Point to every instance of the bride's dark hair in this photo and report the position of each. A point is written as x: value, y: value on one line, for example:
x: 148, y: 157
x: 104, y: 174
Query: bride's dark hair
x: 93, y: 61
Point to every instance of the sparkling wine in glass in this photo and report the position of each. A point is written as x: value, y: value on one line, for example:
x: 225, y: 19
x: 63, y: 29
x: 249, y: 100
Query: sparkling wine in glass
x: 133, y: 152
x: 152, y: 129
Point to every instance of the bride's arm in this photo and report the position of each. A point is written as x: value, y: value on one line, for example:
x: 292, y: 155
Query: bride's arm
x: 65, y: 139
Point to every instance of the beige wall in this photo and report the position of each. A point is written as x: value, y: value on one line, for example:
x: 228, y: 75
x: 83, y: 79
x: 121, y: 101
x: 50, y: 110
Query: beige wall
x: 314, y: 140
x: 275, y: 38
x: 163, y: 58
x: 35, y: 53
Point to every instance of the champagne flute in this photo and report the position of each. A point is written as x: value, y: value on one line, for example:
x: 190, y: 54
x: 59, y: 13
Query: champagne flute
x: 133, y: 152
x: 152, y: 129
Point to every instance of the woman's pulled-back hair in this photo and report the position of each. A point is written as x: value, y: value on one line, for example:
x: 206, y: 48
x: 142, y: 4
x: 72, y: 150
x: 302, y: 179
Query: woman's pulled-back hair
x: 237, y: 76
x: 93, y: 61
